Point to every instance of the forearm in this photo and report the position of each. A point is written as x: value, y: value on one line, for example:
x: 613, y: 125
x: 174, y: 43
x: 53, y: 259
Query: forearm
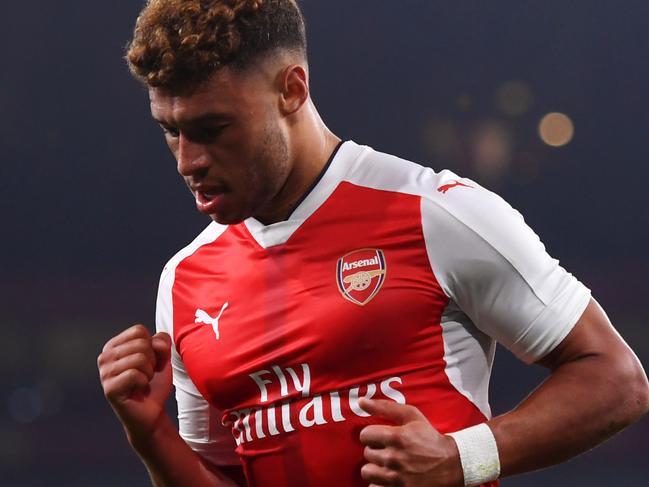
x: 581, y: 404
x: 171, y: 463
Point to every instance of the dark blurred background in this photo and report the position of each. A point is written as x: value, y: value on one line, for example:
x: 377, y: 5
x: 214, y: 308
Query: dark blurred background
x: 92, y: 206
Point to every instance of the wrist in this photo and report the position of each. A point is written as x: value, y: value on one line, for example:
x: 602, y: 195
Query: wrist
x: 478, y: 453
x: 143, y: 441
x: 453, y: 477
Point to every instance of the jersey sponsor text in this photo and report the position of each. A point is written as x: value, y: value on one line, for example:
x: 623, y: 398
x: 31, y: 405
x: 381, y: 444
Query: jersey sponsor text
x: 274, y: 419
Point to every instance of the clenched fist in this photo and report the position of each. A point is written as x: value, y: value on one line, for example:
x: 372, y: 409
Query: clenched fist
x: 135, y: 373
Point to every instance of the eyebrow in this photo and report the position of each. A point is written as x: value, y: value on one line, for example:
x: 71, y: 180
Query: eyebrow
x: 208, y: 117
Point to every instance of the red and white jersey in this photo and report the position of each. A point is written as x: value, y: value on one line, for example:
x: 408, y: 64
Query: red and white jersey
x: 389, y: 281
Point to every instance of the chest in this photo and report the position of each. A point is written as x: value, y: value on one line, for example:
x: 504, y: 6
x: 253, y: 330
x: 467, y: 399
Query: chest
x: 350, y: 297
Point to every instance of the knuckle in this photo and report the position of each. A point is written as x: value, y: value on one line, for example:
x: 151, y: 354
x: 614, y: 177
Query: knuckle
x: 398, y: 439
x: 391, y: 437
x: 131, y: 375
x: 102, y: 374
x: 109, y: 390
x: 143, y: 344
x: 107, y: 345
x: 393, y: 477
x: 143, y: 363
x: 140, y: 359
x: 137, y: 346
x: 393, y: 460
x: 136, y: 377
x: 389, y: 457
x: 367, y: 452
x: 106, y: 365
x: 366, y: 471
x: 140, y: 330
x: 105, y: 356
x: 109, y: 370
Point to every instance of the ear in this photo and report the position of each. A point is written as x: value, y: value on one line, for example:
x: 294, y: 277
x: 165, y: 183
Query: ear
x: 294, y: 89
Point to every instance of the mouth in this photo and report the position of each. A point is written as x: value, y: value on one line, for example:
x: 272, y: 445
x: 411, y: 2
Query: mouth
x: 208, y: 195
x: 209, y: 199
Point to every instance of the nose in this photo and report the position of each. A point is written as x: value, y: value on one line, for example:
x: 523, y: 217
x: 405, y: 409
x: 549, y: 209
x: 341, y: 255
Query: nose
x: 191, y: 157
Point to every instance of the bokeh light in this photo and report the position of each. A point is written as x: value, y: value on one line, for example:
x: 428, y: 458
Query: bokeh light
x: 442, y: 141
x: 556, y: 129
x: 514, y: 98
x: 492, y: 148
x: 27, y: 404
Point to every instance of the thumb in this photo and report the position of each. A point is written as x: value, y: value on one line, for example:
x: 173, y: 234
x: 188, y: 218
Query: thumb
x: 161, y: 344
x: 392, y: 411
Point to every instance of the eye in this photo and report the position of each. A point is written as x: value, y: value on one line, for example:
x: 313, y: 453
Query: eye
x: 170, y: 131
x: 213, y: 131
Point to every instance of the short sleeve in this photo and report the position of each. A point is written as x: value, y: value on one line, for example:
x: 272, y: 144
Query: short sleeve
x: 497, y: 271
x: 199, y: 422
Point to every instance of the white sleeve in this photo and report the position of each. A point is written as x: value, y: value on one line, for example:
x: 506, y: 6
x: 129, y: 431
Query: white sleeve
x: 496, y: 270
x: 199, y: 422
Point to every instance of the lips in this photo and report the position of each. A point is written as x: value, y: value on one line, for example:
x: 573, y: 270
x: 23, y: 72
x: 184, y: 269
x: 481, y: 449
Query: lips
x: 209, y: 198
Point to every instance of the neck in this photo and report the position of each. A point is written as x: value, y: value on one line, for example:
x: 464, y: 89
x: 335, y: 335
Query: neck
x: 312, y: 144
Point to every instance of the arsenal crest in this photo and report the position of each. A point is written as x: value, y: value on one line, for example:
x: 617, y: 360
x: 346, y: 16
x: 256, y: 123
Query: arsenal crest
x: 360, y: 275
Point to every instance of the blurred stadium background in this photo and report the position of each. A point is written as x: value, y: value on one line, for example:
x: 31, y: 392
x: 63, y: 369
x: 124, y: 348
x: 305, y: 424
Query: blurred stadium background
x: 92, y: 206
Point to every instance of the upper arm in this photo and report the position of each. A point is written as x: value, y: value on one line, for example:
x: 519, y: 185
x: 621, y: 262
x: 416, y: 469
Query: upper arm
x: 497, y: 271
x: 594, y: 354
x: 592, y: 336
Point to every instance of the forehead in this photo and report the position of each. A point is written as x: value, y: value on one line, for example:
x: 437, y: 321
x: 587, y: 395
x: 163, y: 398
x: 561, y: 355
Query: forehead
x: 226, y: 91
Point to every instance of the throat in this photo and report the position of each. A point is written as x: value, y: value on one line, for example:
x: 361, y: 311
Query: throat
x: 283, y: 210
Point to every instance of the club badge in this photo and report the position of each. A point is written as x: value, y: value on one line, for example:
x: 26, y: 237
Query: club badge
x: 360, y: 275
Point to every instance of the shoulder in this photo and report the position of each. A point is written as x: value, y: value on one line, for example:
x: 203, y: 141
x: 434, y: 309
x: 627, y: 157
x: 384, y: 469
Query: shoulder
x: 444, y: 194
x: 164, y: 301
x: 466, y: 227
x: 378, y: 170
x: 207, y: 236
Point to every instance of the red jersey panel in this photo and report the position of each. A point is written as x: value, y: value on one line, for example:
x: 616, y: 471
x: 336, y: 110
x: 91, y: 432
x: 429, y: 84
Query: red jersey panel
x: 285, y: 339
x: 389, y: 280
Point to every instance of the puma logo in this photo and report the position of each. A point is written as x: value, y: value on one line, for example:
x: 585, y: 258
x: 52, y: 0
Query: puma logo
x: 203, y: 317
x: 452, y: 184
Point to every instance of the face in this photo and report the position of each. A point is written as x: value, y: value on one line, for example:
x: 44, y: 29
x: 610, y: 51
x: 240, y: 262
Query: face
x: 229, y: 141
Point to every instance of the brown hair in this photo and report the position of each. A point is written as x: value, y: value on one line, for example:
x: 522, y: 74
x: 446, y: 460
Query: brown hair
x: 177, y: 44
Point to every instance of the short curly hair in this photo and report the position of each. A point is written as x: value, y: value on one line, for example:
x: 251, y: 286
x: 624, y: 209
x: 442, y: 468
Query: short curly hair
x: 177, y: 44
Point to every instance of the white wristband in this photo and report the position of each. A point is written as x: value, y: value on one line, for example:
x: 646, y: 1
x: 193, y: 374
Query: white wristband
x: 478, y: 454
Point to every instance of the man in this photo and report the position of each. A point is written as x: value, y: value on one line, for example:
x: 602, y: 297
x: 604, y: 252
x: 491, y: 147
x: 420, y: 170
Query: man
x: 335, y: 324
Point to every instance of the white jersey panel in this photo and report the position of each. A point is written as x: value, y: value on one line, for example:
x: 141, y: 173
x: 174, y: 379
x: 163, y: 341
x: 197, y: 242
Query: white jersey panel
x: 487, y: 260
x: 469, y: 356
x: 199, y: 423
x: 497, y: 271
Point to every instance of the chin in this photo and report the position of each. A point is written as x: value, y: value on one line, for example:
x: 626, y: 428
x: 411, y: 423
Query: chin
x: 227, y: 219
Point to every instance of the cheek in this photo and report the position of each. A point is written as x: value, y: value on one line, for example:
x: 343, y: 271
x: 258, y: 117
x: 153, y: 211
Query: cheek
x: 271, y: 172
x: 259, y: 161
